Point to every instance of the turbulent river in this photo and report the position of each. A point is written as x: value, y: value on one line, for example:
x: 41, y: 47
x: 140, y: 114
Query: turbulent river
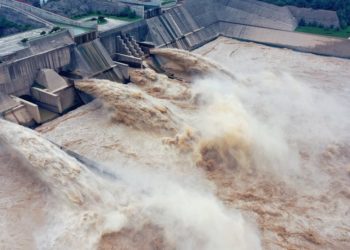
x: 208, y: 158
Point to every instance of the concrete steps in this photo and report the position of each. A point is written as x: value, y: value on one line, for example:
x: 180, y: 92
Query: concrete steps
x: 127, y: 45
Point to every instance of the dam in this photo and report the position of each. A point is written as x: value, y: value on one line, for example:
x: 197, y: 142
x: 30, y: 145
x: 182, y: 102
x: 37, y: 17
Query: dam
x: 66, y: 55
x: 163, y: 124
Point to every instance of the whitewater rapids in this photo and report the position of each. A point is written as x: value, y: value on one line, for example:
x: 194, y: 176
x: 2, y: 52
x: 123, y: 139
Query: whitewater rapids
x: 206, y: 159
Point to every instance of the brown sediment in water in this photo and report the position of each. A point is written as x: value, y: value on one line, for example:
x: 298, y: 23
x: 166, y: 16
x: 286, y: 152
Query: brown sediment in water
x: 130, y: 106
x: 286, y: 218
x: 312, y: 214
x: 277, y: 209
x: 59, y: 172
x: 149, y: 237
x: 66, y: 189
x: 184, y: 142
x: 160, y: 86
x: 230, y: 151
x: 24, y: 200
x: 187, y: 65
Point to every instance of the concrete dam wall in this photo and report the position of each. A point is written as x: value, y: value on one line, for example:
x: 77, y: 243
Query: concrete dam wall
x: 187, y: 26
x: 92, y: 60
x: 197, y: 22
x: 18, y: 72
x: 106, y: 55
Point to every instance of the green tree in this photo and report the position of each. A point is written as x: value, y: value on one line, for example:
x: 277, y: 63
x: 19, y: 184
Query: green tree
x: 101, y: 19
x: 54, y: 29
x: 132, y: 14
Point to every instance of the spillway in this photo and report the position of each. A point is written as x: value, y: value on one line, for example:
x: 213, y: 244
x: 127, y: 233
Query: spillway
x: 235, y: 145
x: 251, y: 140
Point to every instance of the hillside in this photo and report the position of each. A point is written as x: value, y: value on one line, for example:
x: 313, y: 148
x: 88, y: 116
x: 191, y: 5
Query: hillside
x: 341, y: 6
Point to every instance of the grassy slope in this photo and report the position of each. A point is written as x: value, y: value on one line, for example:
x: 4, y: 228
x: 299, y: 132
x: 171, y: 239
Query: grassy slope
x: 107, y: 16
x: 344, y: 33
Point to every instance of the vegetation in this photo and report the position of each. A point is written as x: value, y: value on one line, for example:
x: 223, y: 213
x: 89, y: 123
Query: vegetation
x: 341, y: 6
x: 42, y: 33
x: 93, y: 19
x: 165, y: 2
x: 126, y: 14
x: 6, y: 24
x: 54, y: 29
x: 344, y: 32
x: 101, y: 20
x: 24, y: 40
x: 92, y: 13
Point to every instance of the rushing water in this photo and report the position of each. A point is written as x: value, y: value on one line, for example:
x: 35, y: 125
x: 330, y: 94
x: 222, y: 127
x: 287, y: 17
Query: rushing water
x: 208, y: 160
